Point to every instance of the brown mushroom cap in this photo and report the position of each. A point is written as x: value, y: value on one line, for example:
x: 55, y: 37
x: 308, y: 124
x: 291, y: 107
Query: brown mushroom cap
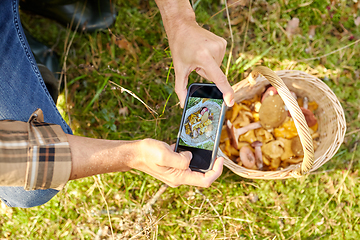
x: 256, y: 144
x: 247, y: 157
x: 297, y: 147
x: 269, y: 92
x: 273, y: 149
x: 309, y: 117
x: 272, y: 112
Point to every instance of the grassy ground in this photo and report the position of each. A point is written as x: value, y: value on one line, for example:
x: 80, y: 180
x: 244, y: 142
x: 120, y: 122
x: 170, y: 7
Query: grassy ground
x: 135, y: 55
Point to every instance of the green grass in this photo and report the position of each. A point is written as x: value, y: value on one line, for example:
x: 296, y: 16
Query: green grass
x: 323, y: 205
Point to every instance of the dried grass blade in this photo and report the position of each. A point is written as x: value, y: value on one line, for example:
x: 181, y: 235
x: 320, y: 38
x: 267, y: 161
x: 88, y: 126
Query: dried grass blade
x: 152, y: 111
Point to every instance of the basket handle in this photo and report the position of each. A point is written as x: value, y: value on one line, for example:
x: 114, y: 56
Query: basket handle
x: 295, y: 111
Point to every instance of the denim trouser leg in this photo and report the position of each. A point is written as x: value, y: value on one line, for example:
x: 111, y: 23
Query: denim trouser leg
x: 22, y: 91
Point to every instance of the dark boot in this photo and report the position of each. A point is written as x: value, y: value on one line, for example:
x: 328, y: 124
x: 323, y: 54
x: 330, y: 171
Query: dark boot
x: 48, y: 64
x: 52, y: 84
x: 44, y: 55
x: 90, y: 14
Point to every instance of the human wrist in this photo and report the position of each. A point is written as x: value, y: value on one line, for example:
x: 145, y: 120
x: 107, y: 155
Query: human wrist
x: 138, y: 150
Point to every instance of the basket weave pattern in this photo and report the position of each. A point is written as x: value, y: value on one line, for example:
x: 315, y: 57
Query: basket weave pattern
x: 330, y: 116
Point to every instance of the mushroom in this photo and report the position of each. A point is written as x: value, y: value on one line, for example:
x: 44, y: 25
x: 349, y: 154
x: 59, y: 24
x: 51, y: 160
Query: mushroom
x: 234, y: 133
x: 224, y: 134
x: 297, y: 147
x: 204, y: 110
x: 243, y: 119
x: 257, y: 106
x: 249, y: 137
x: 288, y: 153
x: 230, y: 149
x: 273, y: 149
x: 247, y: 157
x: 205, y: 117
x: 263, y: 135
x: 195, y: 133
x: 313, y: 106
x: 286, y: 130
x: 271, y: 91
x: 306, y: 103
x: 272, y: 112
x: 236, y: 109
x: 293, y: 160
x: 309, y: 117
x: 266, y: 160
x: 275, y: 163
x: 258, y: 154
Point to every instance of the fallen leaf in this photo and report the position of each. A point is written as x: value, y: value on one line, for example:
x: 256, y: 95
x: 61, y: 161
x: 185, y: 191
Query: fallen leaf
x: 292, y: 27
x: 121, y: 42
x: 357, y: 21
x: 124, y: 111
x: 312, y: 31
x: 253, y: 197
x: 237, y: 20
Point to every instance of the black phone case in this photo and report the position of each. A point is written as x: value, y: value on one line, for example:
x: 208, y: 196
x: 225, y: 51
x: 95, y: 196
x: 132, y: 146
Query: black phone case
x: 218, y: 130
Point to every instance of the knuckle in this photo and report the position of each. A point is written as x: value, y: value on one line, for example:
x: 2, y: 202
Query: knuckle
x: 202, y: 53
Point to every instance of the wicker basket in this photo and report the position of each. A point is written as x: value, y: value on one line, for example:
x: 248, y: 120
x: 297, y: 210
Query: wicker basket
x: 330, y: 116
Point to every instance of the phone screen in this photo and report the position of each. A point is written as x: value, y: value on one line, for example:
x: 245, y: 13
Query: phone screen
x: 201, y: 125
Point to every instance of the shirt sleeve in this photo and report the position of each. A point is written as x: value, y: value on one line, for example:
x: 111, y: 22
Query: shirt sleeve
x: 34, y: 154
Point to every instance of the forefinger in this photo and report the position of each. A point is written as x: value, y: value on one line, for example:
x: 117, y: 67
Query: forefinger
x: 213, y: 73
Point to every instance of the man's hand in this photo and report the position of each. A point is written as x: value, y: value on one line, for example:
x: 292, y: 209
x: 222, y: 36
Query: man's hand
x: 159, y: 160
x: 97, y: 156
x: 193, y: 48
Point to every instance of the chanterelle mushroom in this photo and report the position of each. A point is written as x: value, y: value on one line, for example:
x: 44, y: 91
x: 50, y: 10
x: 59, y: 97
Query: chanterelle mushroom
x: 273, y: 149
x: 287, y: 149
x: 272, y: 112
x: 263, y: 135
x: 234, y: 133
x: 297, y: 147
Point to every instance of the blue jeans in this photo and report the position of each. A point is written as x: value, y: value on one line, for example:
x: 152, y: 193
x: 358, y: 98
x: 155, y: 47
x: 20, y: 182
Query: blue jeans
x: 22, y: 91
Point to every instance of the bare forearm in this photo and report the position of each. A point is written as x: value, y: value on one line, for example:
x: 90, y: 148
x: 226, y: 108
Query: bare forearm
x: 174, y: 13
x: 97, y: 156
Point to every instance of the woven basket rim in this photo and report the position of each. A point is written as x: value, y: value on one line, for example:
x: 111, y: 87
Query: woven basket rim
x: 293, y: 171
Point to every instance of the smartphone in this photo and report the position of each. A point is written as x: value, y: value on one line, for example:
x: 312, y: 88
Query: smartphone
x: 201, y: 125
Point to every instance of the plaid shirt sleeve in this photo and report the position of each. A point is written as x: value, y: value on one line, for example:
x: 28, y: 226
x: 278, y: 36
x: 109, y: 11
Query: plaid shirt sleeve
x: 34, y: 154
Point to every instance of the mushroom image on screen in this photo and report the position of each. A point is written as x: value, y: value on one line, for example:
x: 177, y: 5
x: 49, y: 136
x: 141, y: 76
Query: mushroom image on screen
x: 201, y: 123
